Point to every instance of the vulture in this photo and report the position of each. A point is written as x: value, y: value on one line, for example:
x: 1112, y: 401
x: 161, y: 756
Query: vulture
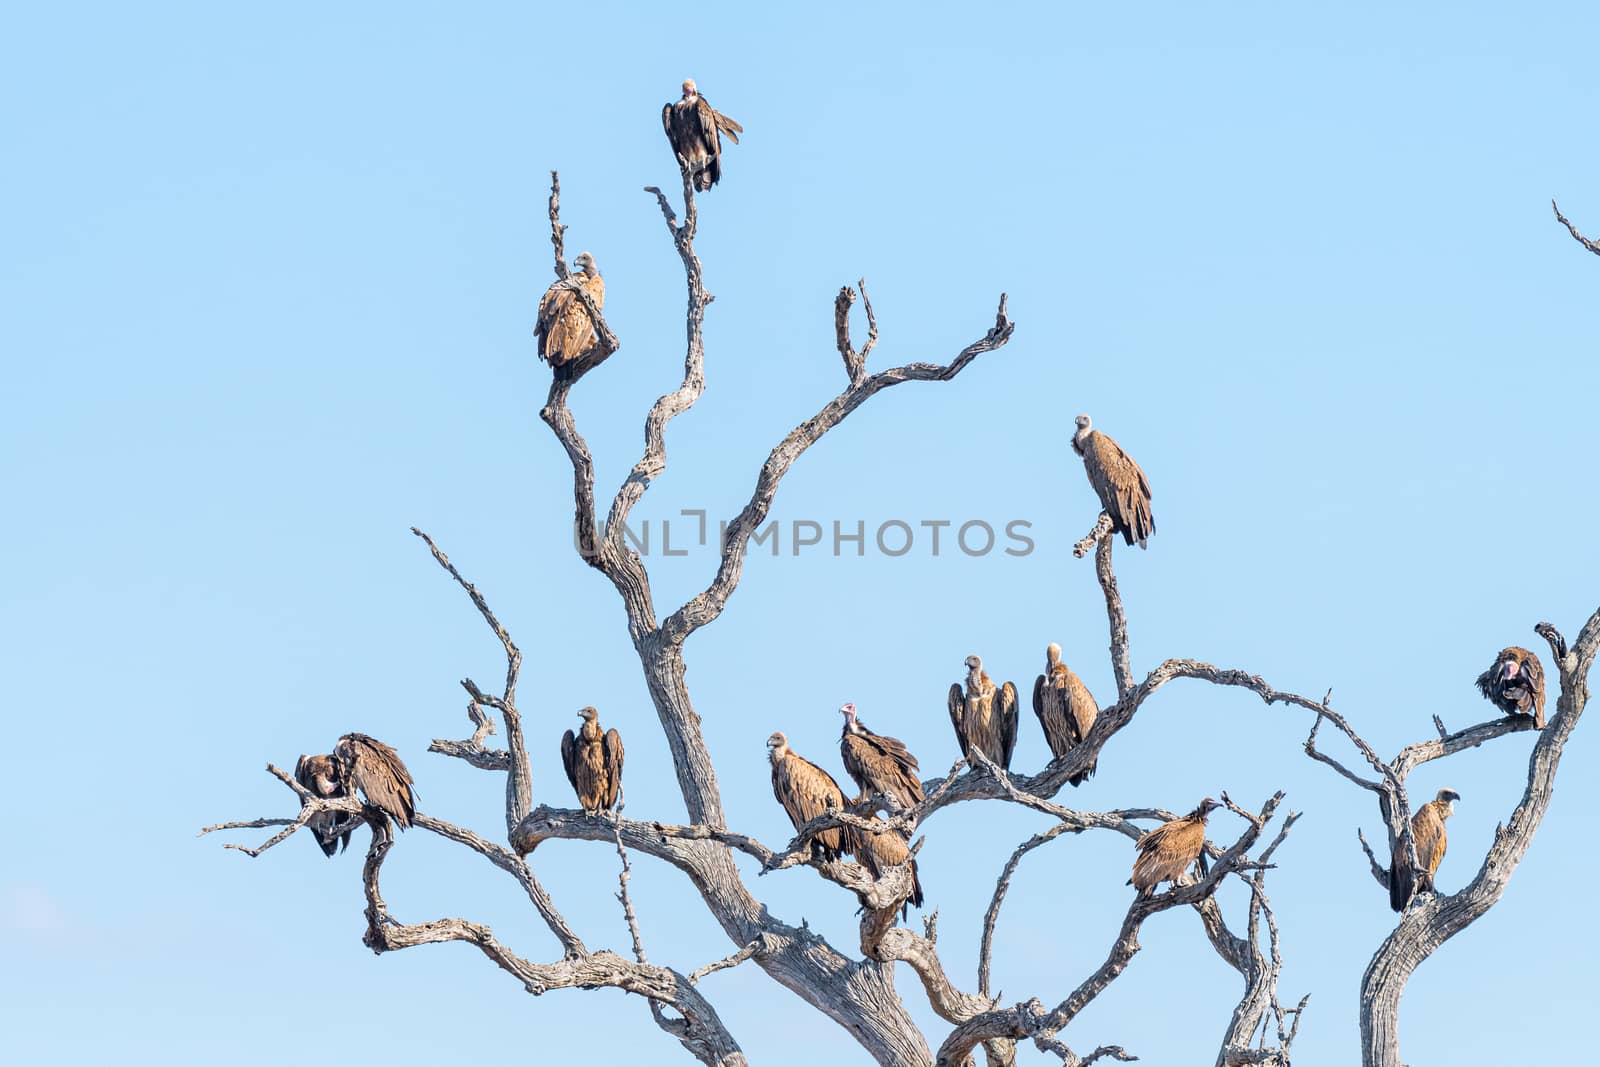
x: 1124, y: 492
x: 563, y: 328
x: 879, y: 764
x: 694, y: 129
x: 594, y: 763
x: 374, y: 768
x: 322, y: 776
x: 1171, y: 848
x: 1427, y: 830
x: 806, y: 791
x: 879, y: 852
x: 1065, y: 707
x: 985, y: 716
x: 1514, y: 683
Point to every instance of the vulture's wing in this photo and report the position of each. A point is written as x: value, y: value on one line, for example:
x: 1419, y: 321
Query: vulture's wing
x: 1082, y: 710
x: 613, y: 754
x: 1535, y: 672
x: 1121, y: 485
x: 569, y: 758
x: 958, y: 709
x: 726, y: 125
x: 1038, y: 703
x: 705, y: 126
x: 1005, y: 706
x: 1428, y: 829
x: 666, y: 123
x: 555, y: 301
x: 380, y: 774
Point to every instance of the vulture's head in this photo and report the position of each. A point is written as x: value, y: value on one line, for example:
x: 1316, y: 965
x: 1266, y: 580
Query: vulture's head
x: 588, y: 715
x: 688, y: 89
x: 585, y: 263
x: 1448, y: 798
x: 848, y: 710
x: 1082, y: 423
x: 1052, y: 654
x: 1207, y: 806
x: 1510, y: 663
x: 974, y: 664
x: 777, y: 744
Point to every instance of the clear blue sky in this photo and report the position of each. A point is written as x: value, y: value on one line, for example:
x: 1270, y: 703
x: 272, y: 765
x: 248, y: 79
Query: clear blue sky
x: 268, y: 279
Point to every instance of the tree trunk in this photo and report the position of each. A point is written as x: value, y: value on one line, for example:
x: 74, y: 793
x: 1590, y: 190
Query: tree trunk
x: 1381, y: 989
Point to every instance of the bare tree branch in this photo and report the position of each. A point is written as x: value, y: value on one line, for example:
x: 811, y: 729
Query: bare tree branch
x: 708, y: 604
x: 1576, y: 236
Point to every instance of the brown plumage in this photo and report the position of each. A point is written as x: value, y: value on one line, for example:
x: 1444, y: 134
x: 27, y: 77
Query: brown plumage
x: 563, y: 328
x: 984, y: 715
x: 594, y: 763
x: 1514, y: 683
x: 1065, y: 707
x: 376, y: 769
x: 1171, y: 848
x: 878, y: 764
x: 1124, y: 493
x: 694, y: 129
x: 807, y: 791
x: 323, y: 776
x: 1427, y: 830
x: 879, y: 852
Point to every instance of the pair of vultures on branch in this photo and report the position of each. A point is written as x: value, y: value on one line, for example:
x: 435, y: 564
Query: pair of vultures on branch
x: 695, y: 130
x: 1514, y: 683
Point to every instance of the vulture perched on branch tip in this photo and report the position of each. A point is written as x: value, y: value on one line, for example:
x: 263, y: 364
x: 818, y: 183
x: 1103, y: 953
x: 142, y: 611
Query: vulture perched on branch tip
x: 1427, y: 830
x: 807, y: 791
x: 323, y: 777
x: 879, y: 764
x: 376, y: 769
x: 1514, y: 683
x: 1124, y: 493
x: 985, y: 716
x: 594, y: 763
x: 1171, y: 848
x: 694, y: 129
x: 563, y: 328
x: 1065, y: 707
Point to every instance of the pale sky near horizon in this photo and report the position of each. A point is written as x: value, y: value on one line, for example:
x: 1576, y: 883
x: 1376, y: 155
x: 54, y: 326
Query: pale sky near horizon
x: 267, y: 281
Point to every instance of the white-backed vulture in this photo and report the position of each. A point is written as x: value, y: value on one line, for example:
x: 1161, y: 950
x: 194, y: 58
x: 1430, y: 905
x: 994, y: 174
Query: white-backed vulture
x: 323, y: 777
x: 807, y: 791
x: 694, y: 129
x: 1171, y: 848
x: 376, y: 769
x: 1124, y: 493
x: 1514, y: 683
x: 1065, y: 707
x: 879, y: 852
x: 563, y: 327
x: 1427, y: 830
x: 594, y: 763
x: 985, y: 716
x: 879, y: 764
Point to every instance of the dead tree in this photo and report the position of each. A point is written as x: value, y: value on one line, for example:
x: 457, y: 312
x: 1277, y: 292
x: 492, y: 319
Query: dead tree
x: 852, y: 986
